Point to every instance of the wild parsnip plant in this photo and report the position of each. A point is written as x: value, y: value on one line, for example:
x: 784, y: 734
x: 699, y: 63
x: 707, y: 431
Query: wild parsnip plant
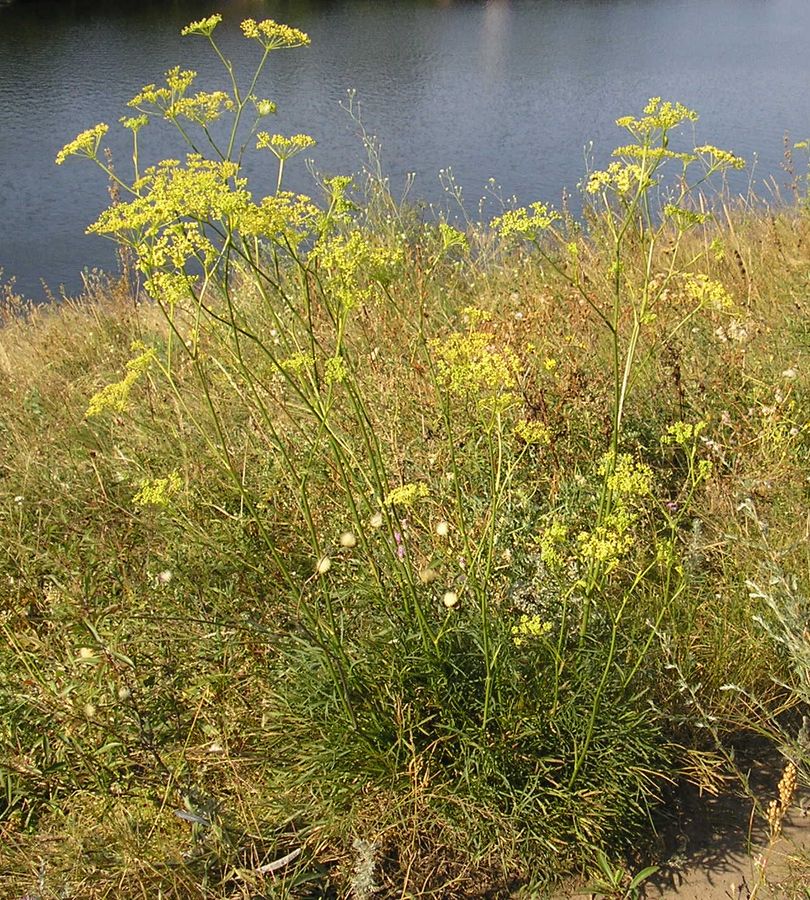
x: 376, y: 539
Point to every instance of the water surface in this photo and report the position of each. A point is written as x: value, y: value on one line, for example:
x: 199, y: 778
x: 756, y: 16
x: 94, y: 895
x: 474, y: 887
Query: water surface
x: 507, y: 89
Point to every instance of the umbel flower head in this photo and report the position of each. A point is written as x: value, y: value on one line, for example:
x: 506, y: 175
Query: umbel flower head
x: 204, y: 27
x: 283, y: 147
x: 85, y: 144
x: 274, y: 36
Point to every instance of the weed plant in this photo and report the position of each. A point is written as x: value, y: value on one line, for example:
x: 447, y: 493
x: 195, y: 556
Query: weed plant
x: 348, y: 554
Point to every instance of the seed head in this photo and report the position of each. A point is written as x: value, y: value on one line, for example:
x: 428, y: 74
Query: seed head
x: 376, y: 520
x: 443, y: 529
x: 450, y: 599
x: 428, y: 576
x: 323, y: 566
x: 348, y: 540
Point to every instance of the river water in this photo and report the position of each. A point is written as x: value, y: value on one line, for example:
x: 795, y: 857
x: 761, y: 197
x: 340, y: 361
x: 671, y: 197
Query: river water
x: 512, y: 90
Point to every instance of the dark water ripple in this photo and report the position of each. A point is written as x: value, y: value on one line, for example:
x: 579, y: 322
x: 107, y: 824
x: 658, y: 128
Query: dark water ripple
x: 509, y: 89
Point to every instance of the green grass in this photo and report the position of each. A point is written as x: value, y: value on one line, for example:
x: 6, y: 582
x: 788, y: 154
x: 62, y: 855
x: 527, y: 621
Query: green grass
x: 437, y: 557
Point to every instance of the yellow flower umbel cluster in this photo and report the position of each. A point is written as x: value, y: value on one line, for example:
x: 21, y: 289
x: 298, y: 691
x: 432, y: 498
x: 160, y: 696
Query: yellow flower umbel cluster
x: 204, y: 27
x: 526, y: 224
x: 706, y: 292
x: 115, y: 397
x: 659, y: 116
x: 158, y: 491
x: 168, y: 193
x: 683, y: 434
x: 628, y: 479
x: 639, y: 162
x: 715, y: 158
x: 623, y: 178
x: 552, y: 541
x: 354, y: 266
x: 406, y: 495
x: 529, y: 628
x: 452, y: 237
x: 284, y: 147
x: 533, y: 433
x: 628, y: 482
x: 274, y: 36
x: 85, y: 144
x: 171, y: 101
x: 471, y: 367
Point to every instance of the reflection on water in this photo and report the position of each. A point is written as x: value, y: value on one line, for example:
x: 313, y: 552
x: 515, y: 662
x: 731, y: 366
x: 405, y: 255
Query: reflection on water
x: 508, y: 89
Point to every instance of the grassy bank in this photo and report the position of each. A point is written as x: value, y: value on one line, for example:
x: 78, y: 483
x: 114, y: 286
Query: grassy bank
x: 346, y: 552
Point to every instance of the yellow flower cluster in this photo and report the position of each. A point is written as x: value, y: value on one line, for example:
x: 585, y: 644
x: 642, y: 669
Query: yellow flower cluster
x: 533, y: 432
x: 620, y: 177
x: 115, y: 397
x: 610, y: 541
x: 469, y: 364
x: 84, y: 144
x: 172, y: 103
x: 683, y: 433
x: 177, y: 244
x: 641, y: 151
x: 134, y: 123
x: 452, y: 237
x: 407, y: 494
x: 203, y: 190
x: 626, y: 478
x: 529, y: 628
x: 705, y: 291
x: 283, y: 147
x: 297, y: 363
x: 335, y: 370
x: 204, y: 27
x: 552, y: 542
x: 520, y: 223
x: 169, y: 288
x: 202, y: 108
x: 719, y: 159
x: 658, y: 116
x: 158, y: 491
x: 283, y: 217
x: 354, y: 264
x: 475, y: 315
x: 272, y: 35
x: 613, y: 538
x: 263, y: 107
x: 178, y: 82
